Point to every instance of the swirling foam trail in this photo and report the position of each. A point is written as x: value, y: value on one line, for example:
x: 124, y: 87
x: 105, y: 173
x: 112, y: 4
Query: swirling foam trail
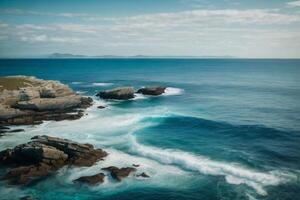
x: 173, y: 91
x: 234, y: 174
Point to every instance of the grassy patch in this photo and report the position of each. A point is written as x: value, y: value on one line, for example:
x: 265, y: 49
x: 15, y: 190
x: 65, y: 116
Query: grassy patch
x: 14, y: 83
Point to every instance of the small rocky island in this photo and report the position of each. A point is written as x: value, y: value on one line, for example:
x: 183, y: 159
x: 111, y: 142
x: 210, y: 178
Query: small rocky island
x: 27, y: 100
x: 125, y: 93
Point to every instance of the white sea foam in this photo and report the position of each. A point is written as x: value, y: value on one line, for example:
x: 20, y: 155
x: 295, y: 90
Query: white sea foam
x: 173, y: 91
x: 76, y: 83
x: 234, y: 174
x: 161, y: 175
x: 80, y: 92
x: 102, y: 84
x: 138, y: 96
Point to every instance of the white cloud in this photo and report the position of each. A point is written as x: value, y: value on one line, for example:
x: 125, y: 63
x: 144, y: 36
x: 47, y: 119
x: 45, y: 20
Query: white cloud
x: 293, y: 4
x: 193, y: 32
x: 15, y: 11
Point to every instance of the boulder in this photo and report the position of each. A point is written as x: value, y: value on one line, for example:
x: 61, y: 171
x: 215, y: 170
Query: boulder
x: 91, y: 180
x: 45, y: 154
x: 119, y: 173
x: 157, y: 90
x: 122, y: 93
x: 101, y: 107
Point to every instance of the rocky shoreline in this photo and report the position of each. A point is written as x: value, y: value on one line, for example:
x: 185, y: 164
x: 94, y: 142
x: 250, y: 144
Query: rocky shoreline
x: 44, y: 155
x: 28, y: 101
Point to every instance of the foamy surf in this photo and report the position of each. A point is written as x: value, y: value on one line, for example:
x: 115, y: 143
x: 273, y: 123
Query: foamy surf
x: 233, y: 173
x: 173, y: 91
x: 102, y: 84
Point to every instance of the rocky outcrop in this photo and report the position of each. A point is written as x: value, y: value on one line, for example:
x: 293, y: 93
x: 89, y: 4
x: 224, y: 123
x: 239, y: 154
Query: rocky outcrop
x: 152, y: 90
x: 119, y: 173
x: 45, y: 154
x: 33, y: 100
x: 91, y: 180
x: 122, y: 93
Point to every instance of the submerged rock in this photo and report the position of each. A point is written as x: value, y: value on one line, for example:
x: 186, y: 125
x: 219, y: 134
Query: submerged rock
x: 91, y: 180
x: 45, y: 154
x: 28, y: 100
x: 152, y: 90
x: 122, y: 93
x: 135, y: 165
x: 144, y: 175
x: 101, y: 107
x: 119, y: 173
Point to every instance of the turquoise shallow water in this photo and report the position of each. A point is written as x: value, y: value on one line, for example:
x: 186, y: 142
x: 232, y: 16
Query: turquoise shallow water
x: 225, y: 129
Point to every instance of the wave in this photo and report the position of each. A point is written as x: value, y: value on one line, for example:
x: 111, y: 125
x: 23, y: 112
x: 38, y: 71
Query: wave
x: 173, y: 91
x: 76, y: 83
x: 233, y: 173
x: 102, y: 84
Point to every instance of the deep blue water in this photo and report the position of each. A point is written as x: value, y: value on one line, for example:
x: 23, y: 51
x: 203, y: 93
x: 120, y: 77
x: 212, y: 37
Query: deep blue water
x: 226, y: 129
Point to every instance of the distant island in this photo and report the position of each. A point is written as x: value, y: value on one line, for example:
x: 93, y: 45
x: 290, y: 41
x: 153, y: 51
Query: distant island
x: 69, y: 55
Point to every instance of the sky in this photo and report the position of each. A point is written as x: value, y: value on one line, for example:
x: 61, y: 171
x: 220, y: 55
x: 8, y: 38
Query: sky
x: 243, y: 29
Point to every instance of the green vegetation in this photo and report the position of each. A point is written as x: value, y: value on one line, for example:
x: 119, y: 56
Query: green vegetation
x: 13, y: 83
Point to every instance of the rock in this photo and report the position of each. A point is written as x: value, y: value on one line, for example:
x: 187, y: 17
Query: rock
x: 122, y: 93
x: 7, y: 112
x: 144, y: 175
x: 134, y: 165
x: 86, y: 102
x: 28, y: 100
x: 101, y: 107
x: 91, y: 180
x: 119, y: 174
x: 45, y: 154
x: 152, y: 90
x: 50, y: 104
x: 16, y: 130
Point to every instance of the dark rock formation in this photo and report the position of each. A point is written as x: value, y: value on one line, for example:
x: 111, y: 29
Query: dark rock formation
x: 33, y: 100
x: 135, y: 165
x: 101, y: 107
x: 123, y: 93
x: 45, y: 154
x: 119, y: 173
x: 152, y: 90
x: 91, y: 180
x: 144, y: 175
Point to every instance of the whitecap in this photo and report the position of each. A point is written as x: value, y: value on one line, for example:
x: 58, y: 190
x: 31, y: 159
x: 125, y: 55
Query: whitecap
x: 76, y: 83
x: 173, y: 91
x: 234, y: 173
x: 81, y: 92
x: 138, y: 96
x: 102, y: 84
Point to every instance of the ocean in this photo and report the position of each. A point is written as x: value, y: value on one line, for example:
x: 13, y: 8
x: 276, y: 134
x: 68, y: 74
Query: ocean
x: 225, y: 128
